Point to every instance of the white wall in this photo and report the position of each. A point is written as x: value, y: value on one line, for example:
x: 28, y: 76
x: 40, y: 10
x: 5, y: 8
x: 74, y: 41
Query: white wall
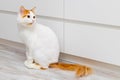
x: 96, y: 11
x: 85, y: 28
x: 8, y: 14
x: 93, y: 42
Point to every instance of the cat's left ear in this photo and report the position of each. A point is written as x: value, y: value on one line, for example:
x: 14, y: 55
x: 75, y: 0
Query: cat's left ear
x: 33, y: 9
x: 22, y: 9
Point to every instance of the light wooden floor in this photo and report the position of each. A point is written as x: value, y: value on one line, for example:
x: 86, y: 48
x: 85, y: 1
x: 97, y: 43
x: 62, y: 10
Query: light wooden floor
x: 12, y: 68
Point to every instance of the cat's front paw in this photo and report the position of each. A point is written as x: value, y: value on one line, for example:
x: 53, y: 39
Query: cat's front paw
x: 32, y: 65
x: 27, y: 64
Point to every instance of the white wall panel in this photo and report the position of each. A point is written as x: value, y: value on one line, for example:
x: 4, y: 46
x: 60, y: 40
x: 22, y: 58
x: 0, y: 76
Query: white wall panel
x: 8, y: 27
x: 96, y: 11
x: 15, y: 4
x: 53, y: 8
x: 94, y: 42
x: 43, y: 7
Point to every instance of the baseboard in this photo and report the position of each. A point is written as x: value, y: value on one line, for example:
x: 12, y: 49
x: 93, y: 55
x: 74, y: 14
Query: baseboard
x: 96, y: 65
x: 12, y: 43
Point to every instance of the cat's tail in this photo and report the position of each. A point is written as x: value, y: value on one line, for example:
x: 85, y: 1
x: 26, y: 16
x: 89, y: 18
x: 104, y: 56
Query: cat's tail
x: 81, y: 70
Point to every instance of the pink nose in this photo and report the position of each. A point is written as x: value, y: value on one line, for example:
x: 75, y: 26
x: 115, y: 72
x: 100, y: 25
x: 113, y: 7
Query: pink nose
x: 32, y: 21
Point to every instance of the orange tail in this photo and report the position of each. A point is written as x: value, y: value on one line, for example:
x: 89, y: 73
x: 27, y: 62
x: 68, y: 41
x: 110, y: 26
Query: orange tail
x: 80, y: 69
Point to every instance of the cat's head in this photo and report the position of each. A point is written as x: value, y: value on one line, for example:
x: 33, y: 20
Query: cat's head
x: 26, y: 17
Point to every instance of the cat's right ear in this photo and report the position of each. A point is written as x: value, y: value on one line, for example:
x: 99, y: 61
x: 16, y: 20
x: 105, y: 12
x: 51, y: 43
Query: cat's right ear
x: 22, y: 9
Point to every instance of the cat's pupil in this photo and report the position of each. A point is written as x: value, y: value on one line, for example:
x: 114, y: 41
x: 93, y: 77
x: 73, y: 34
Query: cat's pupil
x: 28, y: 16
x: 34, y: 17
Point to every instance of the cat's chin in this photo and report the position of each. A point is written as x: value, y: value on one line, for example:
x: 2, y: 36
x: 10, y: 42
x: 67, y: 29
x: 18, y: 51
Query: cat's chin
x: 29, y: 24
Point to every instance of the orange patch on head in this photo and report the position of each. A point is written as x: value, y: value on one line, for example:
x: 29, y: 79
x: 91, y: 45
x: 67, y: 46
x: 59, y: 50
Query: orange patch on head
x: 33, y: 9
x: 25, y: 13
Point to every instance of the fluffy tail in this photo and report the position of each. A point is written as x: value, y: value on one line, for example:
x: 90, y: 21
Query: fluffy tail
x: 81, y: 70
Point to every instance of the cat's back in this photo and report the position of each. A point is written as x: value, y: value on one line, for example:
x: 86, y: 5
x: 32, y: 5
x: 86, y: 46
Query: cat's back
x: 43, y: 28
x: 45, y: 32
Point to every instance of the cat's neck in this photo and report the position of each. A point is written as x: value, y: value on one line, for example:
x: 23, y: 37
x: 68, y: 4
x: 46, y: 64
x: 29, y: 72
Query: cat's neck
x: 27, y: 27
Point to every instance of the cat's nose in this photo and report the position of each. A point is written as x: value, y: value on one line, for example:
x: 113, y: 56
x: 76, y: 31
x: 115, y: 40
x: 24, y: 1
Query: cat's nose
x: 33, y: 21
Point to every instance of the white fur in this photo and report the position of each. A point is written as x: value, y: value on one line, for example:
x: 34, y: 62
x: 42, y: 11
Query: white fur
x: 41, y: 43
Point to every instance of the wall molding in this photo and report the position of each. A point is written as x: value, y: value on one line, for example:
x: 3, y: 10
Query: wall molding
x: 68, y: 20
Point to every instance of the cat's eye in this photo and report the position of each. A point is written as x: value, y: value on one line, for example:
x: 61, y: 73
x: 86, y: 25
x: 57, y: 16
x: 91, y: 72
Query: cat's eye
x: 28, y: 16
x: 34, y: 17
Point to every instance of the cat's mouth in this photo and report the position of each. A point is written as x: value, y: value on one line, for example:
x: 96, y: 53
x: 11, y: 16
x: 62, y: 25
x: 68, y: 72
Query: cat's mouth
x: 30, y: 23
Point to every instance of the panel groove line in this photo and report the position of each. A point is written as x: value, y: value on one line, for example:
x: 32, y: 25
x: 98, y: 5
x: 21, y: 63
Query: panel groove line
x: 67, y: 20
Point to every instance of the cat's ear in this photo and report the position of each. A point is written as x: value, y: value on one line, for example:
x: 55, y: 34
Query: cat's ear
x: 22, y: 9
x: 33, y: 9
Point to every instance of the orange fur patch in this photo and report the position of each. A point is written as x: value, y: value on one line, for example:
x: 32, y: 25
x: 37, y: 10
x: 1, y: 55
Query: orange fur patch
x: 43, y: 68
x: 26, y: 12
x: 81, y: 70
x: 38, y: 65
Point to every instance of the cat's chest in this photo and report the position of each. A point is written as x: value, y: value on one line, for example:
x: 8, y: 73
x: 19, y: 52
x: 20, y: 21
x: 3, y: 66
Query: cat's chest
x: 28, y: 36
x: 39, y: 37
x: 36, y: 37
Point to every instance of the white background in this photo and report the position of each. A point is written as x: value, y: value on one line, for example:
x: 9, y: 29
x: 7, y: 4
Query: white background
x: 90, y: 28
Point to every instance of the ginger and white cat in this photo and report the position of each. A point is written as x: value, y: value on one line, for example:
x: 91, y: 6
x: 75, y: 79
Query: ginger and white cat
x: 41, y: 42
x: 42, y: 47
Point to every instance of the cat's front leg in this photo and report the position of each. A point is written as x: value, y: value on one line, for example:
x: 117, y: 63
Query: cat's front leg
x: 29, y: 63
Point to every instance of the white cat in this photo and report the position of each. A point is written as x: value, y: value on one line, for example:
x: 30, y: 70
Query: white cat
x: 42, y: 46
